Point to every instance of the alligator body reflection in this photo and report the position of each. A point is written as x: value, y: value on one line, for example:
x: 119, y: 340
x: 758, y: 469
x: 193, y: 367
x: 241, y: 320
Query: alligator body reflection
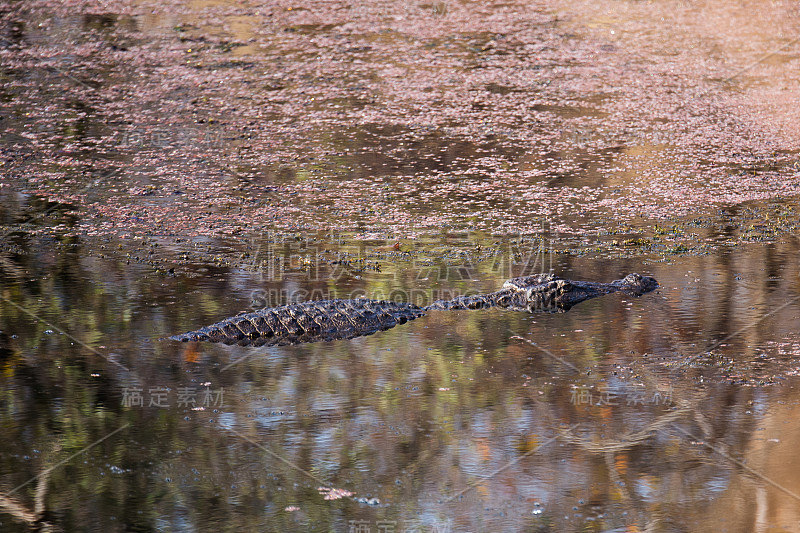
x: 327, y: 320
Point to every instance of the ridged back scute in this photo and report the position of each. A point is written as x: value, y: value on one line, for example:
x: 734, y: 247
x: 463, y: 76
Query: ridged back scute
x: 526, y: 283
x: 312, y: 321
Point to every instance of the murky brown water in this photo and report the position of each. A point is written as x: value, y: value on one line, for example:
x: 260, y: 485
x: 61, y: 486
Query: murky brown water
x: 674, y: 411
x: 164, y: 167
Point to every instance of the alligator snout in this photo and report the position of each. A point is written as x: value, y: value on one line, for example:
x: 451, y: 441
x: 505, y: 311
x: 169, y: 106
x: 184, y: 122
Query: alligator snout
x: 639, y: 284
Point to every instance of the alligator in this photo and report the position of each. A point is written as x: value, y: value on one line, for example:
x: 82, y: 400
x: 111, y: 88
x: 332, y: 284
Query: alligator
x: 327, y: 320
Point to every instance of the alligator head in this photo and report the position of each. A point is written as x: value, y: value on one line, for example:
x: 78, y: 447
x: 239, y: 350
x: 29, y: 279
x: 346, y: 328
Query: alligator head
x: 549, y: 293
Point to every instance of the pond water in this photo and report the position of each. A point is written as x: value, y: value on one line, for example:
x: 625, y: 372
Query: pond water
x: 167, y: 165
x: 675, y: 410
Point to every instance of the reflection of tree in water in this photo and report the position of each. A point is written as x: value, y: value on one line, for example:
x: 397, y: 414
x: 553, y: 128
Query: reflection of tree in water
x: 32, y: 212
x: 34, y: 518
x: 416, y: 414
x: 439, y: 442
x: 10, y: 265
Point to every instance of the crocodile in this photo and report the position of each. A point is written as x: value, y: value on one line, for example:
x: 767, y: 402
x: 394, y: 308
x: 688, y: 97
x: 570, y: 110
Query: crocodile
x: 327, y: 320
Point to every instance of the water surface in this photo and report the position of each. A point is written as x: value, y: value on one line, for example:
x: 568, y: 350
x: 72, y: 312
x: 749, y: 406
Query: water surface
x: 165, y: 166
